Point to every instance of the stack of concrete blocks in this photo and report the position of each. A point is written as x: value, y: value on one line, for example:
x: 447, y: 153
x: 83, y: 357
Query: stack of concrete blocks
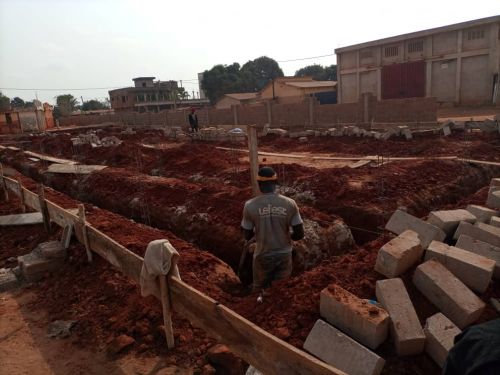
x: 111, y: 141
x: 440, y: 333
x: 339, y: 350
x: 8, y: 279
x: 281, y: 132
x: 482, y: 214
x: 358, y: 318
x: 401, y: 221
x: 494, y: 194
x: 481, y: 248
x: 495, y: 221
x: 481, y: 231
x: 128, y: 131
x: 46, y: 257
x: 405, y: 328
x: 448, y: 220
x: 474, y: 270
x: 448, y: 293
x: 405, y: 130
x: 399, y: 254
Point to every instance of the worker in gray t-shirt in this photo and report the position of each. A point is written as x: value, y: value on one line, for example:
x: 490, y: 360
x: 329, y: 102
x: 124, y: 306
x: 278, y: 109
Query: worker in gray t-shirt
x: 269, y: 217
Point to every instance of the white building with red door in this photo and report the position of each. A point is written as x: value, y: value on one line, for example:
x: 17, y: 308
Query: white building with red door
x: 459, y: 64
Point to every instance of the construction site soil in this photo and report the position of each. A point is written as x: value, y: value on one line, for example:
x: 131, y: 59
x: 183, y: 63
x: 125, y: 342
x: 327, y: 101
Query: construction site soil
x: 213, y: 181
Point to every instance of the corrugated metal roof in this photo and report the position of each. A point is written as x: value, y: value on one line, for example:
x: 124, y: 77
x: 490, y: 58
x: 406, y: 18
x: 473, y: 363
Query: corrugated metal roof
x: 312, y: 84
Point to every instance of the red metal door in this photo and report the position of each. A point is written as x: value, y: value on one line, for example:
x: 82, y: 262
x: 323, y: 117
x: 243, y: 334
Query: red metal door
x: 405, y: 80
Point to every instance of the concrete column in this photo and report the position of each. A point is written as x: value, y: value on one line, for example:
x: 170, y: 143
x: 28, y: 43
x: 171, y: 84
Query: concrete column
x: 311, y: 110
x: 358, y: 90
x: 366, y: 108
x: 379, y: 84
x: 458, y: 80
x: 428, y: 67
x: 339, y: 79
x: 269, y: 113
x: 235, y: 114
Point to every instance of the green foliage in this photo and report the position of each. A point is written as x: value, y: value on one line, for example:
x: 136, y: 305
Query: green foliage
x: 4, y: 102
x: 94, y: 104
x: 182, y: 93
x: 318, y: 72
x: 65, y: 104
x: 251, y: 77
x: 17, y: 102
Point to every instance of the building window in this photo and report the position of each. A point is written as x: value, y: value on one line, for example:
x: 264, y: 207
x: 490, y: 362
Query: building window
x: 367, y: 54
x: 416, y: 46
x: 144, y: 84
x: 391, y: 51
x: 475, y: 34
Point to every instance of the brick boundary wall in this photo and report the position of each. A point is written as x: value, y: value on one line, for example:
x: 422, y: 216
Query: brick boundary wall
x: 308, y: 113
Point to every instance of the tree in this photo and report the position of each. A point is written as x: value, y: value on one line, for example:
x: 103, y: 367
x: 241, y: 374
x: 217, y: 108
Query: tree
x: 220, y: 80
x: 255, y: 74
x: 66, y: 104
x: 4, y: 102
x: 17, y: 102
x: 182, y: 93
x: 94, y: 104
x: 251, y: 77
x: 318, y: 72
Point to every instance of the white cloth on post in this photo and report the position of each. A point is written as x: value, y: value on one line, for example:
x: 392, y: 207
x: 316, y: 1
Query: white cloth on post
x: 157, y: 262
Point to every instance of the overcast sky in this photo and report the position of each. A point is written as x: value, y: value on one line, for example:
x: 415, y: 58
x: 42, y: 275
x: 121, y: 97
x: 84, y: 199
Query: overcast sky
x: 56, y: 44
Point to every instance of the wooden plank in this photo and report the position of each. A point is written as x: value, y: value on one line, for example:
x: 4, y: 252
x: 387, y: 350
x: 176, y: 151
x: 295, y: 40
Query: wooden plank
x: 21, y: 194
x: 50, y: 158
x: 167, y: 312
x: 119, y: 256
x: 21, y: 219
x: 43, y: 207
x: 31, y: 199
x: 12, y: 185
x: 74, y: 169
x: 359, y: 163
x: 82, y: 220
x: 254, y: 158
x: 61, y: 216
x: 269, y: 354
x: 4, y: 184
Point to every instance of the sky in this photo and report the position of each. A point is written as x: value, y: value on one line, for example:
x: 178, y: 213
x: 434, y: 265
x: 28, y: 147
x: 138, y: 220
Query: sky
x: 94, y: 46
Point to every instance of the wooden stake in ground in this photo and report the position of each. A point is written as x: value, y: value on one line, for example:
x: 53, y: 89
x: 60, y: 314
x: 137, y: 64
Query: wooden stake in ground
x: 83, y: 222
x: 4, y: 184
x: 21, y: 195
x: 167, y: 305
x: 254, y: 158
x: 43, y: 207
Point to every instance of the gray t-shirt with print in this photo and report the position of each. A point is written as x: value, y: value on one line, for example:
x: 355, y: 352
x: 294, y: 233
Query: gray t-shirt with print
x: 271, y: 215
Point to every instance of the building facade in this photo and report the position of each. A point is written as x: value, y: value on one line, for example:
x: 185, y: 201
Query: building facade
x: 457, y: 64
x: 148, y: 95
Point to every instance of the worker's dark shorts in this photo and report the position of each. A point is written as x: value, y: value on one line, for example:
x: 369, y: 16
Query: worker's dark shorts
x: 270, y: 267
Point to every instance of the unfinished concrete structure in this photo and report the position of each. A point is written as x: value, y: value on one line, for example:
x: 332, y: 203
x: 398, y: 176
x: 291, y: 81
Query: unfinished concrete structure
x: 458, y: 63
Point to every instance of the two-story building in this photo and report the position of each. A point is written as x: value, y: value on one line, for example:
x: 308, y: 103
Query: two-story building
x: 459, y: 64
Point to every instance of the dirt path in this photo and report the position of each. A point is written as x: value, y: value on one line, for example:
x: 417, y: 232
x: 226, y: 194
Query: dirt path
x: 25, y: 347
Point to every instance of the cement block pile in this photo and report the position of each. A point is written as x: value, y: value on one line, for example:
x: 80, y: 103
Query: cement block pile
x: 219, y: 134
x: 93, y: 139
x: 450, y: 277
x: 46, y: 257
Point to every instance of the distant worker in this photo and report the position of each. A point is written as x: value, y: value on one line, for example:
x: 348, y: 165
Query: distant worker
x: 193, y: 120
x: 269, y: 217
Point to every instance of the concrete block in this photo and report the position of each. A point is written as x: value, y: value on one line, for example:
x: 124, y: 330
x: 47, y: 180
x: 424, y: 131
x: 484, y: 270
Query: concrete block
x: 335, y: 348
x: 440, y: 333
x: 8, y: 279
x: 482, y: 248
x: 359, y: 319
x: 448, y: 220
x: 407, y: 133
x: 483, y: 214
x: 479, y: 231
x: 401, y: 221
x: 473, y: 270
x: 493, y: 200
x: 446, y: 131
x: 399, y: 254
x: 495, y: 221
x: 448, y: 293
x: 51, y: 249
x: 303, y: 139
x: 33, y: 266
x: 404, y: 326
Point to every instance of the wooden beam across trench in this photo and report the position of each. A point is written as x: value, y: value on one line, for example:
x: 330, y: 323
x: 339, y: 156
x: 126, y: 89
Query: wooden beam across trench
x: 264, y: 351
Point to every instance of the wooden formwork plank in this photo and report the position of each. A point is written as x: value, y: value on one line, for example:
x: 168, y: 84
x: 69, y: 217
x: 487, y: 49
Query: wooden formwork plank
x: 256, y: 346
x: 31, y: 199
x: 12, y: 185
x: 61, y: 216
